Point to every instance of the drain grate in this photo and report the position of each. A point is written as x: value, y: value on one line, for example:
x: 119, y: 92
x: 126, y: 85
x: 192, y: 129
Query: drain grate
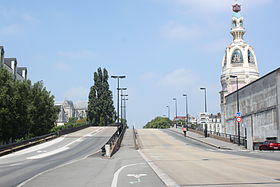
x: 205, y: 159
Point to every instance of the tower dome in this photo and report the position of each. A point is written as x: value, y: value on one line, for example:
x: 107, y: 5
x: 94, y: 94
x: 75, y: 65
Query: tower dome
x: 239, y: 58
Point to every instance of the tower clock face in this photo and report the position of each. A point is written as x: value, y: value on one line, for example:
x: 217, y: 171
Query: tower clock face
x: 237, y: 56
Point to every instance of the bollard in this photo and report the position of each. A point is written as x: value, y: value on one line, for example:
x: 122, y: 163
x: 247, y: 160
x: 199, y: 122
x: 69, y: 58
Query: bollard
x: 108, y: 150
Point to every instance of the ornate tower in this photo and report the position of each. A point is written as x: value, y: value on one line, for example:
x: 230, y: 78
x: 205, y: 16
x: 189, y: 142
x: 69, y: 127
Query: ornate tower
x: 239, y: 59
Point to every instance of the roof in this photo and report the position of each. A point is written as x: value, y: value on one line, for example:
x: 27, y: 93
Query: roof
x: 19, y: 69
x: 8, y: 61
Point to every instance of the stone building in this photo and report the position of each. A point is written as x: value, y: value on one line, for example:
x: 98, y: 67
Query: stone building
x: 68, y: 110
x: 19, y: 73
x: 257, y: 98
x: 260, y: 110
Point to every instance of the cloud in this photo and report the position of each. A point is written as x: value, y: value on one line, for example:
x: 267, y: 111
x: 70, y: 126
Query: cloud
x: 178, y: 31
x: 77, y: 55
x: 178, y: 78
x: 10, y: 29
x: 77, y: 93
x: 62, y: 66
x: 148, y: 76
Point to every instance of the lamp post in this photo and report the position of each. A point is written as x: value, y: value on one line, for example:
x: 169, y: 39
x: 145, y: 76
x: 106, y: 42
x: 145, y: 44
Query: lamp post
x: 205, y: 110
x: 124, y: 107
x: 175, y: 107
x: 187, y: 113
x: 168, y: 112
x: 237, y: 103
x: 118, y: 77
x: 121, y: 89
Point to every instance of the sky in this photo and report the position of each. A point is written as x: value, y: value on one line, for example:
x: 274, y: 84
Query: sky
x: 164, y: 47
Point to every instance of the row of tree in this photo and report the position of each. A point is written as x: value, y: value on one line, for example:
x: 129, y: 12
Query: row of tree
x: 26, y: 110
x: 159, y: 123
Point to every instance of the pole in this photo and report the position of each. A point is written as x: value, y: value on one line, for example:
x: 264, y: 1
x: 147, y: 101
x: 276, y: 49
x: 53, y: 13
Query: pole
x: 118, y: 100
x: 237, y: 98
x: 121, y: 105
x: 168, y: 112
x: 205, y: 109
x: 187, y: 113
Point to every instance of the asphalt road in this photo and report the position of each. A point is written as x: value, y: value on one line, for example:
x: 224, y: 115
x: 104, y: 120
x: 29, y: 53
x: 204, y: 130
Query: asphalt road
x: 268, y: 155
x: 20, y: 166
x: 125, y: 169
x: 190, y: 163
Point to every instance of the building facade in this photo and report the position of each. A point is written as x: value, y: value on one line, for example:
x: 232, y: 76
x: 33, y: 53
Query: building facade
x: 260, y: 110
x: 68, y: 109
x: 19, y: 73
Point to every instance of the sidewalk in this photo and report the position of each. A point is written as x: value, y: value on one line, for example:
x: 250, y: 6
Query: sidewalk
x: 210, y: 141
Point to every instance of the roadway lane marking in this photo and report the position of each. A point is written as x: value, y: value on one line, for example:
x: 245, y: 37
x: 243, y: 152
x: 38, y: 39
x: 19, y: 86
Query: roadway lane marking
x: 64, y: 148
x: 163, y: 176
x: 34, y: 148
x: 116, y: 174
x: 137, y: 177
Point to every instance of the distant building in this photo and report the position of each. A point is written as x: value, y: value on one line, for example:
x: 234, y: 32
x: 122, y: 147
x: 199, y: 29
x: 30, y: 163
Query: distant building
x: 68, y: 110
x: 214, y: 123
x: 19, y: 73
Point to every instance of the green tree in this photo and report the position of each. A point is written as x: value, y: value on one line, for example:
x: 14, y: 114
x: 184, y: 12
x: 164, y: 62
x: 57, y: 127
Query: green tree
x: 159, y: 123
x: 7, y: 89
x: 101, y: 110
x: 43, y: 112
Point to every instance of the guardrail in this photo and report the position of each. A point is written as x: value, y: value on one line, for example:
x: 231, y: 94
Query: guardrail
x: 114, y: 143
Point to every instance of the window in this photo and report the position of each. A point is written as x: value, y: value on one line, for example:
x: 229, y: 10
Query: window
x: 251, y: 58
x: 237, y: 56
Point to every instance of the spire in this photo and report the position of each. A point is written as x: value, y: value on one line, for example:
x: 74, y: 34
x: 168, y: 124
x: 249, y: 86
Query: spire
x: 237, y: 29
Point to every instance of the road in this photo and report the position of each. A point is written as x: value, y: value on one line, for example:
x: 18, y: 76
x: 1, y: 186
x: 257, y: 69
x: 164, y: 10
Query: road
x: 20, y: 166
x: 190, y: 163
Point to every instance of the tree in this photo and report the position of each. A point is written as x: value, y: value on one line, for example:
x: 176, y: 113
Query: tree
x: 43, y: 112
x: 101, y: 110
x: 159, y: 123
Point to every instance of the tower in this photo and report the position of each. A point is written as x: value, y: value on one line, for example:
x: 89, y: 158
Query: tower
x: 239, y: 58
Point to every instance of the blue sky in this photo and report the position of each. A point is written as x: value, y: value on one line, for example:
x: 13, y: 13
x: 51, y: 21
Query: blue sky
x: 164, y: 47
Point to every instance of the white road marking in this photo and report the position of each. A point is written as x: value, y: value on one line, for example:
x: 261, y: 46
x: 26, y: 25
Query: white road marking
x: 16, y: 164
x: 163, y: 176
x: 61, y: 149
x: 34, y: 148
x: 137, y: 177
x: 116, y: 174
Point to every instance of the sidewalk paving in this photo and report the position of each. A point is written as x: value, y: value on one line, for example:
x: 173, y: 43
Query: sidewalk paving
x: 210, y: 141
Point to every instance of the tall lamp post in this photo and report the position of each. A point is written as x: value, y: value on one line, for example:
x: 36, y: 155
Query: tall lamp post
x: 175, y: 107
x: 121, y: 89
x: 237, y: 103
x: 123, y: 106
x: 187, y: 113
x: 168, y: 109
x: 205, y: 110
x: 118, y: 77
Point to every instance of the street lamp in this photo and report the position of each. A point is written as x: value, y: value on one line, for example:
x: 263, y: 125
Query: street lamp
x: 168, y: 112
x: 121, y: 89
x: 122, y: 106
x: 205, y: 109
x: 118, y: 77
x: 187, y: 113
x: 124, y: 100
x: 175, y: 107
x: 237, y: 103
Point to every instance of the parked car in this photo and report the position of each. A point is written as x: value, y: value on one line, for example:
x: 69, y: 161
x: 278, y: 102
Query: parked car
x: 270, y: 146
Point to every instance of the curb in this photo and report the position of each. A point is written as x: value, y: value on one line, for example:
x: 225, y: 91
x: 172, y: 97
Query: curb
x: 212, y: 145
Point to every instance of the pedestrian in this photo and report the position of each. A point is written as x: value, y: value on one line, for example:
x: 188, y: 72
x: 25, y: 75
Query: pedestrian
x: 184, y: 130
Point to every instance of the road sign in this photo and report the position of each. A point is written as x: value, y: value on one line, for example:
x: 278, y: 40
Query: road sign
x: 238, y: 119
x: 238, y: 114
